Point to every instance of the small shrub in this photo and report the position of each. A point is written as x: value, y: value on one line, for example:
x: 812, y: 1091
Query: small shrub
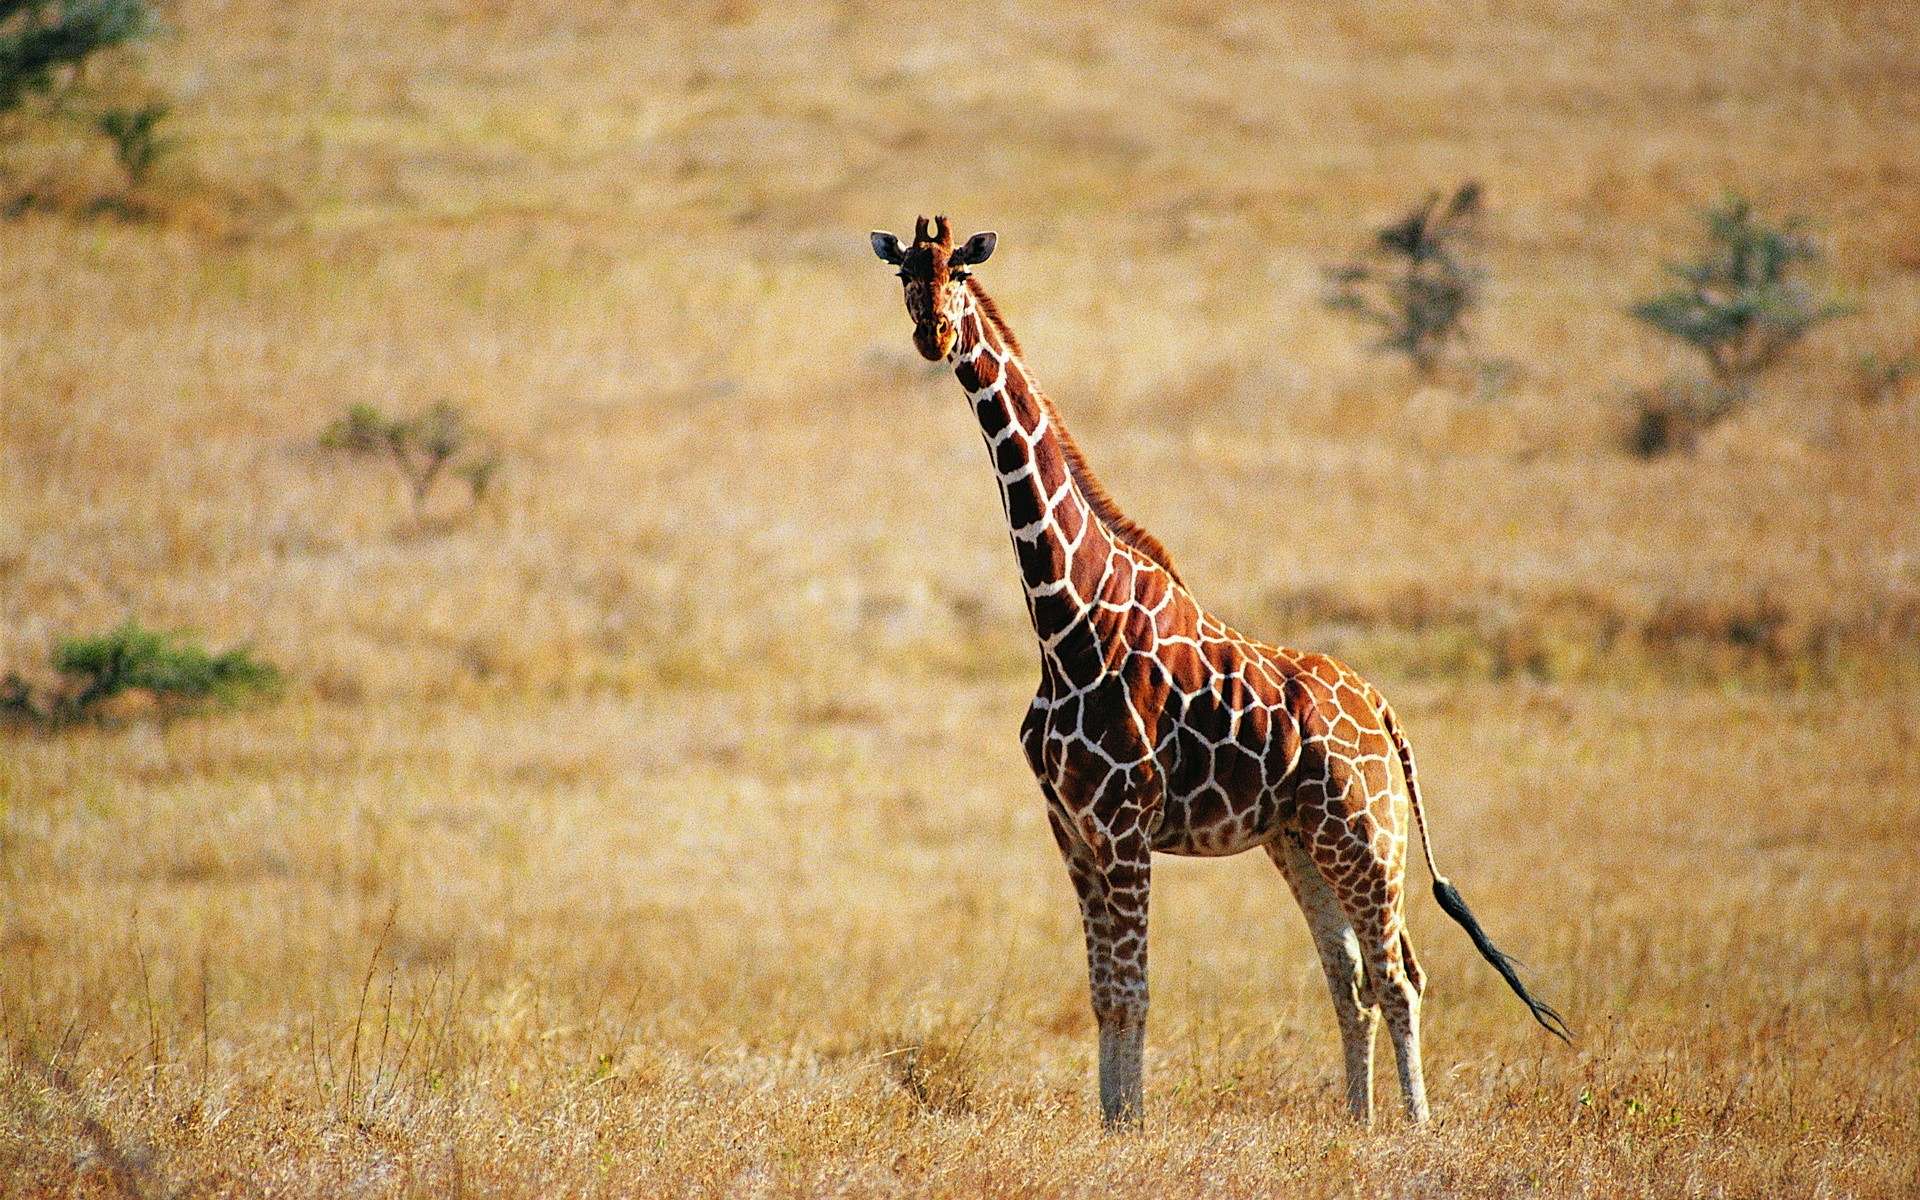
x: 1415, y: 283
x: 423, y: 447
x: 166, y: 666
x: 135, y: 133
x: 1741, y: 303
x: 1883, y: 377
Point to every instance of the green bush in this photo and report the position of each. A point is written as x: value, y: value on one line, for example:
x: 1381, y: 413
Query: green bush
x: 130, y: 658
x: 1415, y: 283
x: 1740, y: 302
x: 43, y: 42
x: 135, y: 133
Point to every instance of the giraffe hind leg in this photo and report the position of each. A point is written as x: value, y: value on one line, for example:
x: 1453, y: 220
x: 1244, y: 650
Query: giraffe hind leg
x: 1415, y: 975
x: 1357, y: 848
x: 1389, y: 981
x: 1340, y: 960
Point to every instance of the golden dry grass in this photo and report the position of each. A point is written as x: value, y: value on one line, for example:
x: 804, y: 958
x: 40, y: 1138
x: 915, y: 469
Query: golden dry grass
x: 658, y: 828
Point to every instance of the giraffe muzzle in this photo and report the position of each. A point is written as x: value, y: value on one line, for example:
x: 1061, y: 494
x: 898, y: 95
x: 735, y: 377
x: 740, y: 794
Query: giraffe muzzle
x: 933, y: 342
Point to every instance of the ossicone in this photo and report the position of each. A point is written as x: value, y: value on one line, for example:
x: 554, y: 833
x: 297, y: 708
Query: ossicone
x: 888, y: 248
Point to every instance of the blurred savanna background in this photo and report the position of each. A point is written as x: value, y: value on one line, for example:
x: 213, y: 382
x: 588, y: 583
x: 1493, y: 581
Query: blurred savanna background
x: 633, y: 804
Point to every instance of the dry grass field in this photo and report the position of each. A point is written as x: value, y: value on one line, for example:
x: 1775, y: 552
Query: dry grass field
x: 657, y: 827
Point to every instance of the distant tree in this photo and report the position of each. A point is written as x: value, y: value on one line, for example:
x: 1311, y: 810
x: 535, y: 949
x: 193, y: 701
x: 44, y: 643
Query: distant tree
x: 423, y: 447
x: 1415, y: 282
x: 42, y: 42
x: 1740, y: 303
x: 131, y: 657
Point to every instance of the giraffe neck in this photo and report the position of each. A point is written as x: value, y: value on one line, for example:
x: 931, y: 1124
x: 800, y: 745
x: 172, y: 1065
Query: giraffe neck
x: 1068, y: 555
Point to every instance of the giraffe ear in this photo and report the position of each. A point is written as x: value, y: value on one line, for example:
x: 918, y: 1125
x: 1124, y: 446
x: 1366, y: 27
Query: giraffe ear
x: 979, y: 248
x: 887, y: 246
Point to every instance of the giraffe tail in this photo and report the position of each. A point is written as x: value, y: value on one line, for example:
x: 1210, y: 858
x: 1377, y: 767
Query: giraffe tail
x: 1451, y: 901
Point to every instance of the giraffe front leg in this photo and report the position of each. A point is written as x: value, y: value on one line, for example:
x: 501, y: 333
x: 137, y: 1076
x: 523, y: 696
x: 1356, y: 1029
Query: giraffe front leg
x: 1113, y: 912
x: 1117, y: 973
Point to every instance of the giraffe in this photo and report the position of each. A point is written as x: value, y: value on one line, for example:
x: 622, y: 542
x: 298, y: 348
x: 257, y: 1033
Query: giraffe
x: 1157, y: 727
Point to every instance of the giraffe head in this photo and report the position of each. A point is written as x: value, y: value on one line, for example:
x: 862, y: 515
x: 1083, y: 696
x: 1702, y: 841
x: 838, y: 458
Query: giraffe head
x: 932, y: 271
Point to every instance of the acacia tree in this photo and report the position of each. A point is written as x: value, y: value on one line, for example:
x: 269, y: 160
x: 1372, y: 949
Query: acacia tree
x: 422, y: 446
x: 43, y: 43
x: 1416, y: 283
x: 46, y: 47
x: 1741, y: 303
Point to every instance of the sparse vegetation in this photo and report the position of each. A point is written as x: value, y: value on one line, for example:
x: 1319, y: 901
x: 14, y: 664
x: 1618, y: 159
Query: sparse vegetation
x: 424, y: 447
x: 173, y: 672
x: 50, y: 51
x: 939, y: 1071
x: 1417, y: 284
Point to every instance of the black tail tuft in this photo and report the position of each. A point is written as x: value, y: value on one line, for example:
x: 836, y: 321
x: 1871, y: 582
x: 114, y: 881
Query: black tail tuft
x: 1455, y: 907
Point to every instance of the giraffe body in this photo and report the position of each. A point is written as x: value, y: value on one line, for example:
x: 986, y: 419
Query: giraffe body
x: 1157, y: 727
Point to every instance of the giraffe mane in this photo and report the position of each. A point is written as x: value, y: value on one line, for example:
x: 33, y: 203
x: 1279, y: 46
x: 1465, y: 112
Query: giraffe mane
x: 1101, y: 501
